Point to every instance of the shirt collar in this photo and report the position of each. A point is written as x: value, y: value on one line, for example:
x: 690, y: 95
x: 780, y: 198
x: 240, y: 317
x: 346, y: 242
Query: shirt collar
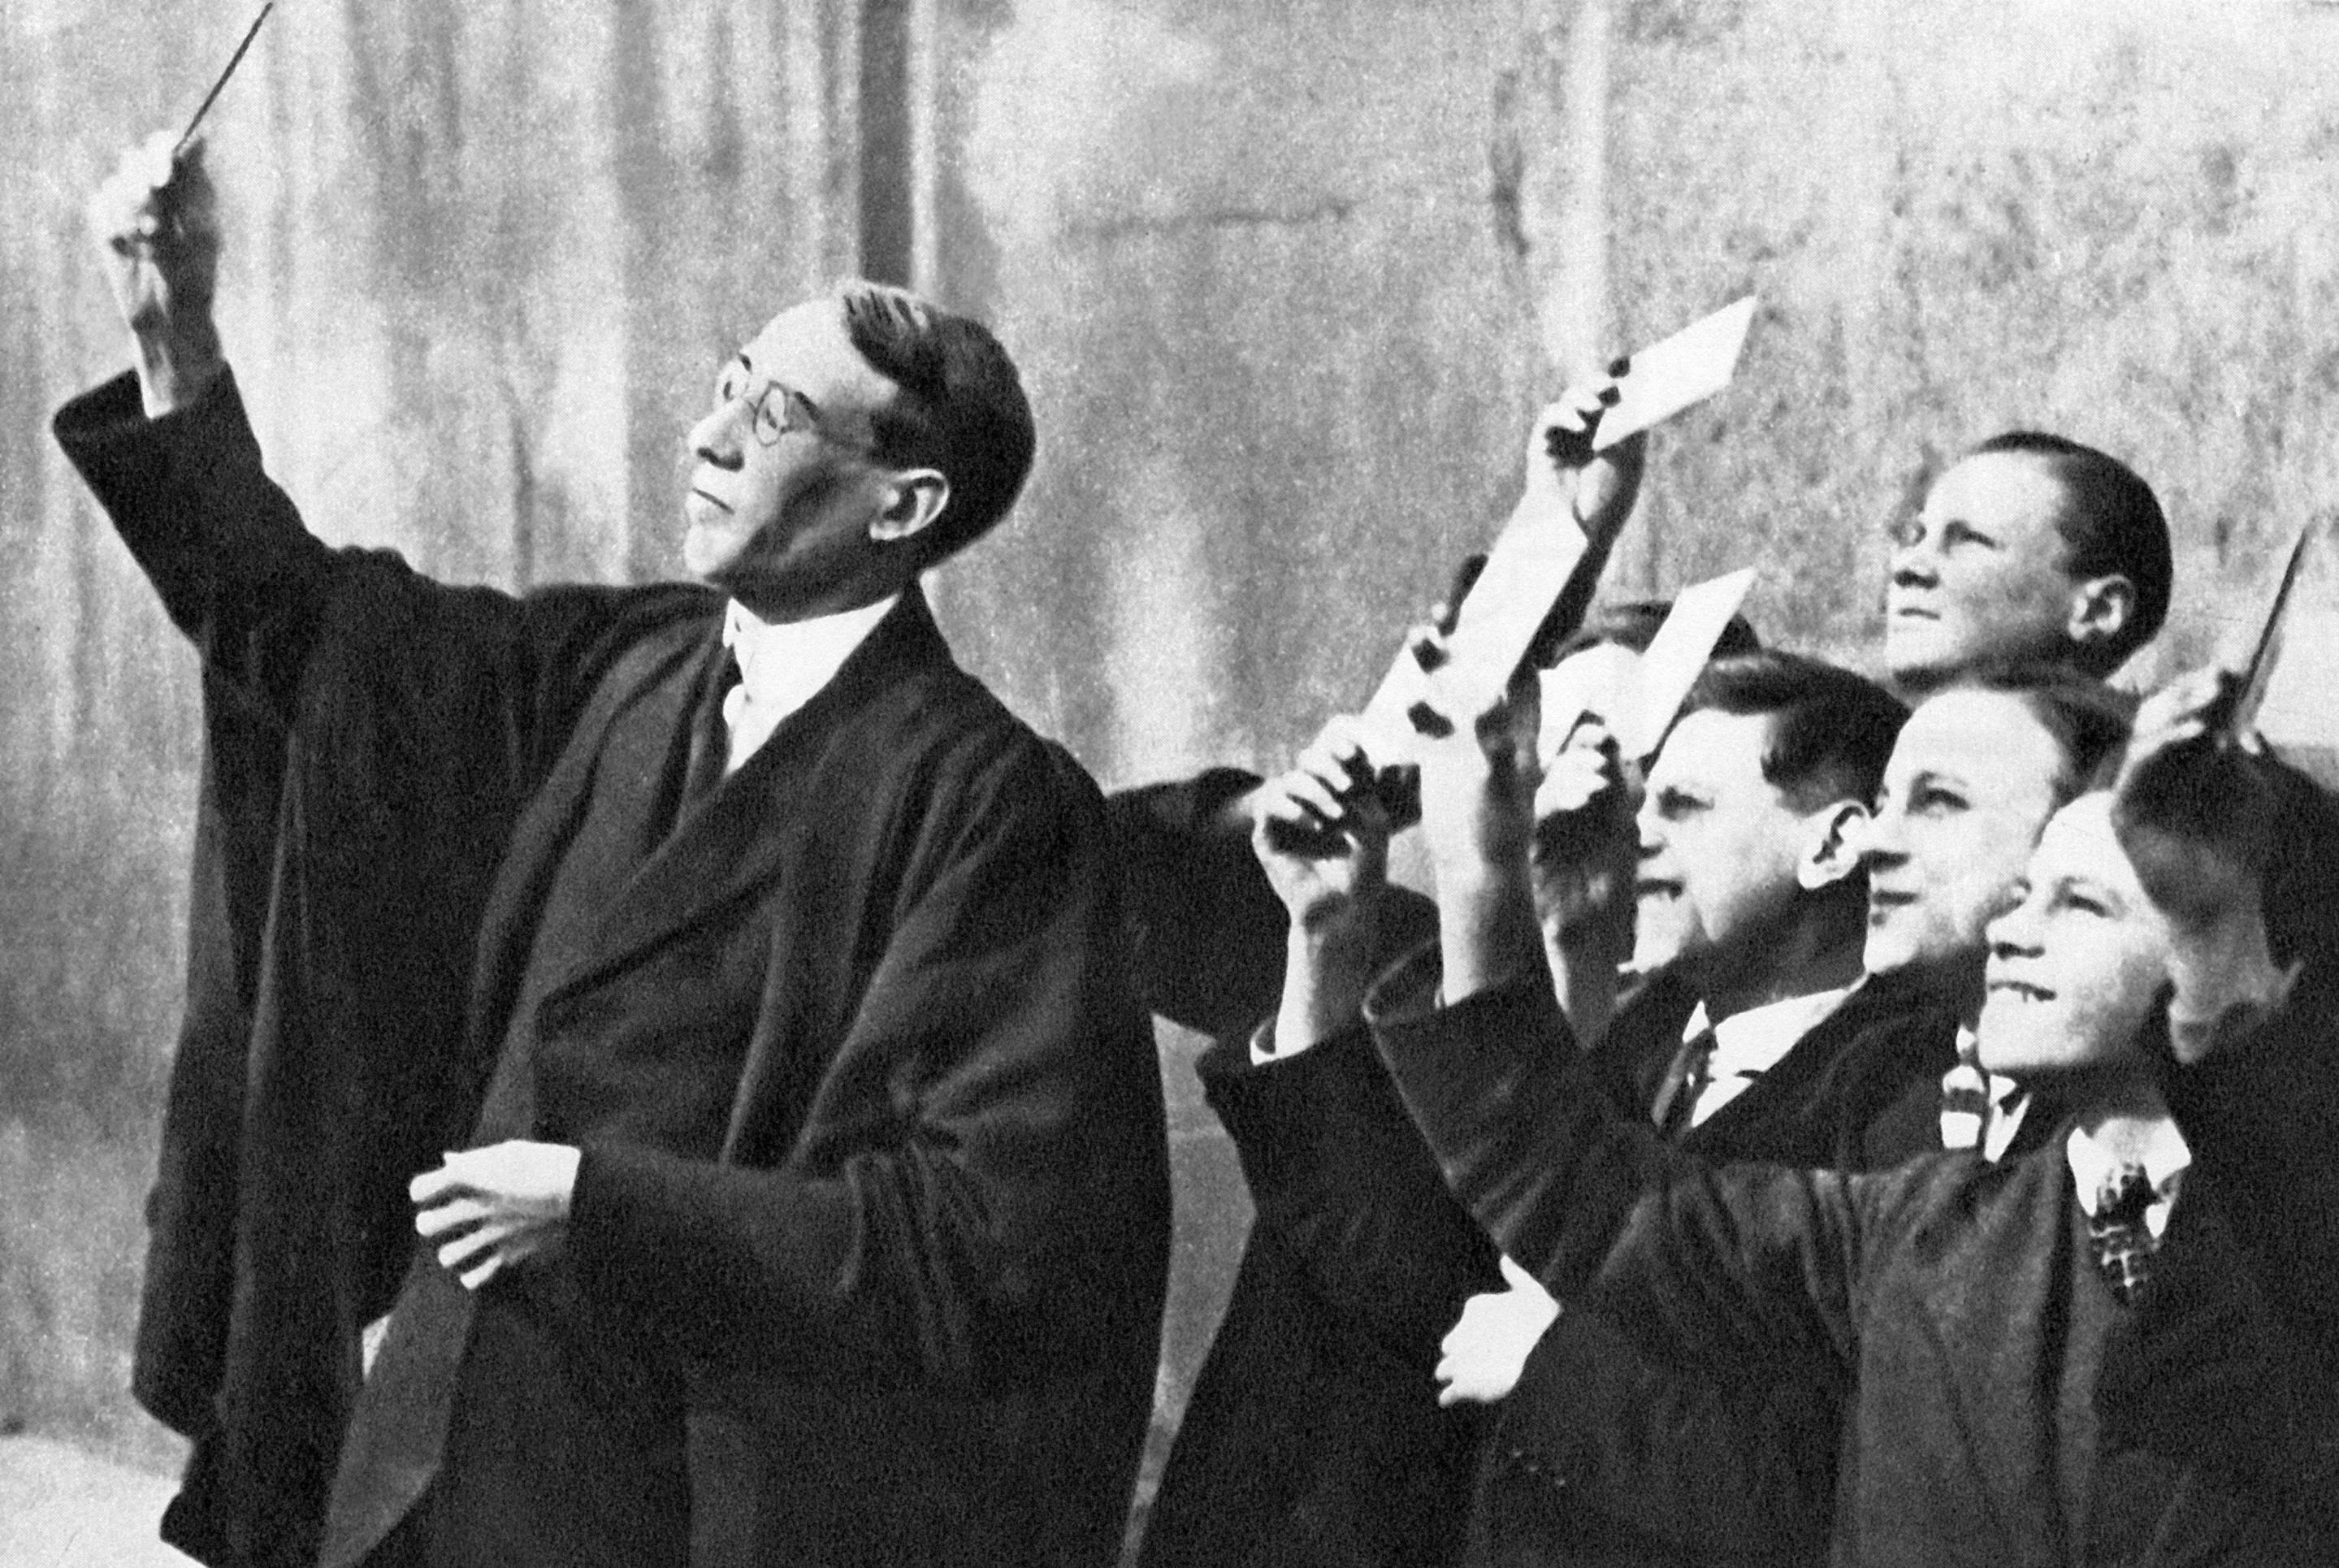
x: 779, y: 660
x: 783, y: 664
x: 1755, y: 1040
x: 2166, y: 1159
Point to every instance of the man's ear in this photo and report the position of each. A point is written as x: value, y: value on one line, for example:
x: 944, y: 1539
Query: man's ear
x: 914, y: 497
x: 1831, y: 845
x: 2101, y: 608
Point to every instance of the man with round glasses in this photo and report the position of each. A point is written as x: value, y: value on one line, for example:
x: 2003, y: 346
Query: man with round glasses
x: 809, y: 1195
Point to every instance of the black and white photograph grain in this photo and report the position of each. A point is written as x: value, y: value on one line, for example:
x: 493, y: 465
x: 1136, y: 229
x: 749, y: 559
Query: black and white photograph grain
x: 1168, y: 783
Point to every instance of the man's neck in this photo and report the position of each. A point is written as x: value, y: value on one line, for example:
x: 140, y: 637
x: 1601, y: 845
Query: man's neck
x: 1954, y: 983
x: 775, y: 609
x: 1811, y: 956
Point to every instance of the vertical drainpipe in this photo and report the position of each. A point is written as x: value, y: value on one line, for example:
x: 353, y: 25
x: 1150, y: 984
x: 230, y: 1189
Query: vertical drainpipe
x: 888, y: 108
x: 1573, y: 312
x: 1564, y: 213
x: 924, y: 160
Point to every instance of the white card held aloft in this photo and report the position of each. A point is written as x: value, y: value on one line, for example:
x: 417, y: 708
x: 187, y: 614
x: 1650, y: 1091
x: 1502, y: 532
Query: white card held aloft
x: 1676, y: 656
x: 1687, y: 368
x: 1541, y: 547
x: 1636, y: 695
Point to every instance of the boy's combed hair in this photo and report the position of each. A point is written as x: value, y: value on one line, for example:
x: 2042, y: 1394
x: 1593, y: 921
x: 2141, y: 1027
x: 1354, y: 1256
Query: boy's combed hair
x: 2110, y: 523
x: 2088, y: 721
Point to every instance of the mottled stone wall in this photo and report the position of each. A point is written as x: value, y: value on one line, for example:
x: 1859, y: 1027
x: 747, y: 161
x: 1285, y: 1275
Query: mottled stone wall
x: 1287, y: 280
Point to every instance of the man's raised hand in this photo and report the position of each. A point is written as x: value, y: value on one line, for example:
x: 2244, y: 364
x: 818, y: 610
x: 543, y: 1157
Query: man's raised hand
x: 1582, y: 810
x: 1478, y: 745
x: 1478, y: 777
x: 2198, y: 814
x: 1322, y: 831
x: 1599, y: 488
x: 1322, y: 834
x: 155, y: 222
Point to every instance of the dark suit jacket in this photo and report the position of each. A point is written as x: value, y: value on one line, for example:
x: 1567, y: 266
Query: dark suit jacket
x: 903, y: 1274
x: 1313, y: 1434
x: 1730, y: 1467
x: 1948, y: 1295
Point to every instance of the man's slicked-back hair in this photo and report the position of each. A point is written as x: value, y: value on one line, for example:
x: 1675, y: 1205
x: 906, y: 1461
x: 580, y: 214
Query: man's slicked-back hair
x: 1831, y: 731
x: 960, y: 408
x: 2111, y: 523
x: 2088, y: 720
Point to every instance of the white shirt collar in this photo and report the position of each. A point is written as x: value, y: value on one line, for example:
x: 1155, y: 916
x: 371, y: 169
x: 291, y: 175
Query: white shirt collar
x: 1758, y: 1039
x: 1748, y: 1044
x: 1980, y: 1109
x: 2009, y: 1104
x: 783, y: 664
x: 2166, y: 1159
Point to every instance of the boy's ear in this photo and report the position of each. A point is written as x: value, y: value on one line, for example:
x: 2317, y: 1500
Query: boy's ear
x: 2100, y: 609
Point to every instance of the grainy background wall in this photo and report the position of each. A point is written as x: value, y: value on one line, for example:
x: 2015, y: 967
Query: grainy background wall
x: 1286, y: 278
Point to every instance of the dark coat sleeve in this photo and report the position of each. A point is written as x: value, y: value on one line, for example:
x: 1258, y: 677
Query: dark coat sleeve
x: 2236, y: 1347
x: 1205, y: 923
x: 370, y: 738
x: 256, y: 593
x: 1678, y: 1278
x: 991, y: 1196
x: 2259, y: 1117
x: 1205, y: 927
x: 1524, y: 1123
x: 368, y: 735
x: 1559, y: 1174
x: 1615, y: 1447
x: 1314, y: 1435
x: 1337, y: 1171
x: 1723, y: 1264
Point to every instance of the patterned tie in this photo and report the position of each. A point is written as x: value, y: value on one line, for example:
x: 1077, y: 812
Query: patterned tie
x: 1685, y: 1081
x: 2122, y: 1242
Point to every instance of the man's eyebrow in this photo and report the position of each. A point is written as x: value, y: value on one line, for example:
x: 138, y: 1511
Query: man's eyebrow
x: 812, y: 410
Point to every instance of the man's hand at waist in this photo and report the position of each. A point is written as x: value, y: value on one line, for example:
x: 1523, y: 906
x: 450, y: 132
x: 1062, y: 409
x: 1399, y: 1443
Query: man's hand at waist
x: 1488, y: 1346
x: 489, y: 1208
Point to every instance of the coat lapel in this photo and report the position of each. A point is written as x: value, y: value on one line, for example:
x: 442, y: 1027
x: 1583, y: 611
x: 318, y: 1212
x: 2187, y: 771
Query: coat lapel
x: 1784, y: 1087
x: 668, y: 670
x: 735, y: 840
